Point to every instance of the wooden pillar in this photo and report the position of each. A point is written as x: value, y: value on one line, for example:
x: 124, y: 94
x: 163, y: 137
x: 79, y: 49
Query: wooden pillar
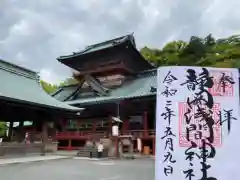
x: 94, y: 126
x: 44, y: 137
x: 64, y: 124
x: 33, y: 132
x: 109, y: 126
x: 117, y: 146
x: 154, y: 146
x: 54, y: 130
x: 125, y: 127
x: 69, y: 145
x: 10, y: 130
x: 21, y: 123
x: 79, y: 123
x: 145, y: 123
x: 20, y: 132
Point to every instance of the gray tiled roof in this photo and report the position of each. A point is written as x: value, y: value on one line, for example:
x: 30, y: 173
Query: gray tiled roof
x: 21, y: 84
x: 100, y: 46
x: 139, y: 86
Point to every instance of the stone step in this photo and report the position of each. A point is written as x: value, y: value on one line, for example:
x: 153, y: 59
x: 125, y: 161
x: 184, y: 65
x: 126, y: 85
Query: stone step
x: 86, y: 154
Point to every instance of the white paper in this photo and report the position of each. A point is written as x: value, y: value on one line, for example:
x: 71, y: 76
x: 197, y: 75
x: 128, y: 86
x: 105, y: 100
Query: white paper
x: 225, y: 165
x: 115, y: 130
x: 139, y: 145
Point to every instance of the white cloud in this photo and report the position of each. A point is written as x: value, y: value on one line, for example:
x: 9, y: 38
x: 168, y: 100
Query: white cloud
x: 21, y: 58
x: 50, y: 76
x: 35, y: 32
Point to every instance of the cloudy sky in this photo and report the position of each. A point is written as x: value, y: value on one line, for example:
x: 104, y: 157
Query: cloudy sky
x: 34, y: 32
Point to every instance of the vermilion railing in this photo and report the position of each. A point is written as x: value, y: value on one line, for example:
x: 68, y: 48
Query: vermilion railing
x: 135, y: 133
x: 140, y: 133
x: 79, y: 134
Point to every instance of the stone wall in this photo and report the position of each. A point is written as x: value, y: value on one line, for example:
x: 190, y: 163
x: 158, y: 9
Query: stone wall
x: 7, y: 149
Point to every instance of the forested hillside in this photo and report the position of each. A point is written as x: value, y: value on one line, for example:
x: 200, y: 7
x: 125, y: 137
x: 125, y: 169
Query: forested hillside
x: 198, y: 51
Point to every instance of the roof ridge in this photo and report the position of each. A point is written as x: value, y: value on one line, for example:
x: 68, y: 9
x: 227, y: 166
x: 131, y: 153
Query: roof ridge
x: 123, y: 38
x: 68, y: 85
x: 147, y: 72
x: 19, y: 70
x: 108, y: 41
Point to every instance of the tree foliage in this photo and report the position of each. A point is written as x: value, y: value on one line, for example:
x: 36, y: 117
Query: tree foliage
x: 69, y: 81
x: 3, y: 129
x: 208, y: 51
x: 49, y: 88
x: 198, y: 51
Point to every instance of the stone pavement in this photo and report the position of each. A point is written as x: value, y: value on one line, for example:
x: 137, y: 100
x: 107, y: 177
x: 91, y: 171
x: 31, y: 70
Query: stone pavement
x: 66, y: 153
x: 7, y: 161
x: 60, y: 155
x: 91, y: 159
x: 74, y: 153
x: 74, y: 169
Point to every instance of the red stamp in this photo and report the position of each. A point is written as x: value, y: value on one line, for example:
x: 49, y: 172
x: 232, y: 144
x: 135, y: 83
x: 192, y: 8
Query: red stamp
x: 201, y: 130
x: 222, y: 83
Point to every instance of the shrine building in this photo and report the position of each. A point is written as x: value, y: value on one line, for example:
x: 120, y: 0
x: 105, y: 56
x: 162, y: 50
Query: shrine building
x: 114, y: 80
x: 22, y: 99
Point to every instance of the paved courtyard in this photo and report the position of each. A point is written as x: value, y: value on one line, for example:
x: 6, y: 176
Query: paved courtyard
x: 75, y: 169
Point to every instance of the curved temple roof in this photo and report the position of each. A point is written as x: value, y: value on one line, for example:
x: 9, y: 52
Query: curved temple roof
x: 100, y: 46
x: 125, y: 43
x: 143, y: 85
x: 22, y: 85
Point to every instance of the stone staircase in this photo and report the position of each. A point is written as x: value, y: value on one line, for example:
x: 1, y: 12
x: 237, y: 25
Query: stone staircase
x: 109, y: 148
x: 88, y: 148
x: 85, y: 152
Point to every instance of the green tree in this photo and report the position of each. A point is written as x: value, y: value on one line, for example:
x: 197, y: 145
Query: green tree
x: 169, y: 55
x: 3, y: 129
x: 69, y: 81
x: 49, y: 88
x: 198, y: 51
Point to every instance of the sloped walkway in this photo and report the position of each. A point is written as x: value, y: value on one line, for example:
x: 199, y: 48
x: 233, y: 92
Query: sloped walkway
x: 8, y: 161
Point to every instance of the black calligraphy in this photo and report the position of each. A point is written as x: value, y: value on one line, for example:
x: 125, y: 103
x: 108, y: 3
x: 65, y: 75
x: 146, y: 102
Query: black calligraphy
x: 205, y: 154
x: 190, y: 154
x: 168, y: 135
x: 169, y: 78
x: 167, y: 115
x: 227, y: 117
x: 199, y: 121
x: 168, y: 170
x: 169, y: 92
x: 168, y: 132
x: 225, y: 81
